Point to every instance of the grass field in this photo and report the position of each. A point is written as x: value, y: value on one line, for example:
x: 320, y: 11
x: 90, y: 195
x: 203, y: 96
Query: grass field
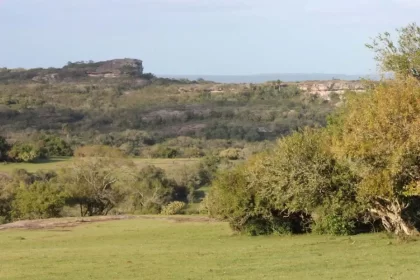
x: 159, y: 249
x: 171, y: 166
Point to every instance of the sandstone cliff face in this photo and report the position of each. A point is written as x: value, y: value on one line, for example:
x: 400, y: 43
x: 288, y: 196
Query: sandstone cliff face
x: 326, y: 88
x: 117, y: 67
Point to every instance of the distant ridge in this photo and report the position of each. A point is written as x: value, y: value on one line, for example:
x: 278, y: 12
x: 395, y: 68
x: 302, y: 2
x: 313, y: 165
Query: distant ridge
x: 261, y: 78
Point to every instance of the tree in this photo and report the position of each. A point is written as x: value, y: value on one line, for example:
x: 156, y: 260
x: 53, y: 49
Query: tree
x: 97, y: 185
x: 379, y: 135
x: 283, y: 189
x: 401, y: 57
x: 152, y: 190
x: 26, y: 152
x: 39, y: 200
x: 55, y: 146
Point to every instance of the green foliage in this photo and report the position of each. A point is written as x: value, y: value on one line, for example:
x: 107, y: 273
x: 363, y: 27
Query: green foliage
x: 98, y: 151
x: 152, y: 190
x: 55, y: 146
x: 334, y: 222
x: 173, y: 208
x: 97, y: 185
x: 281, y: 190
x: 7, y: 194
x: 379, y: 137
x: 161, y: 151
x: 41, y: 199
x: 401, y: 57
x: 124, y: 114
x: 231, y: 153
x: 26, y: 152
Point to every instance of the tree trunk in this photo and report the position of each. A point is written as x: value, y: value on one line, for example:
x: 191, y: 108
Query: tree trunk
x: 392, y: 218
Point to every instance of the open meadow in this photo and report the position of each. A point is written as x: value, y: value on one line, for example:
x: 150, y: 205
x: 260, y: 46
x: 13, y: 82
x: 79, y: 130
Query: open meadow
x: 192, y: 247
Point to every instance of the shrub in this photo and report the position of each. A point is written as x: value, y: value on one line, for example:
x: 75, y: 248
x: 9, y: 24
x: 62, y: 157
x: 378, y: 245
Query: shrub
x: 334, y: 224
x: 26, y: 152
x: 173, y: 208
x: 97, y: 185
x: 98, y: 151
x: 55, y: 146
x: 231, y: 153
x: 161, y: 151
x: 278, y: 191
x: 151, y: 190
x: 260, y: 226
x: 38, y: 200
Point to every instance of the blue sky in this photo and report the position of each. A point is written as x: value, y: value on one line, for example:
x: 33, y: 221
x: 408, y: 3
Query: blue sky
x: 201, y: 36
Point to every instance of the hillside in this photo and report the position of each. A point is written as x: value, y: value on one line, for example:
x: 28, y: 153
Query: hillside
x: 104, y: 103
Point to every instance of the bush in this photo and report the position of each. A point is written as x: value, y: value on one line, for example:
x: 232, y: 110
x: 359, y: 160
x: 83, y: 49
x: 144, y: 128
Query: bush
x: 98, y: 151
x: 97, y: 185
x: 55, y: 146
x: 38, y: 200
x: 260, y: 226
x: 334, y: 224
x: 161, y: 151
x: 151, y: 190
x: 26, y: 152
x: 278, y: 191
x: 231, y: 153
x: 173, y: 208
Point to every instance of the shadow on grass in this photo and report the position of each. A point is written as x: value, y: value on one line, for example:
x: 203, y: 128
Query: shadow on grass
x: 51, y: 160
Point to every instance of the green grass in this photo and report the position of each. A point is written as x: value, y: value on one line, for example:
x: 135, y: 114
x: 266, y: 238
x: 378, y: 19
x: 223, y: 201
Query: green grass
x: 50, y: 164
x: 156, y: 249
x: 171, y: 166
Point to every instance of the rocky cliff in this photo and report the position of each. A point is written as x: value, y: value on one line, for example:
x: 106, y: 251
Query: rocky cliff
x: 118, y: 67
x: 326, y: 88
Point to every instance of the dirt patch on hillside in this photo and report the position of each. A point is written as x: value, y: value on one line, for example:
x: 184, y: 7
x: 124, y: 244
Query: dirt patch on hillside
x: 73, y: 222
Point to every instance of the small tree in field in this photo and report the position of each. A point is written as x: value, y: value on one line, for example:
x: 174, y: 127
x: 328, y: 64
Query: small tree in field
x: 379, y: 134
x: 151, y: 190
x: 97, y: 185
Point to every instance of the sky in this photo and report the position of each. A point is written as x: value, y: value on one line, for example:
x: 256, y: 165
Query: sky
x: 211, y: 37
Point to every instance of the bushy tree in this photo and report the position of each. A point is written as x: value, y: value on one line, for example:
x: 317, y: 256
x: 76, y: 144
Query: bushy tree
x: 26, y: 152
x: 41, y: 199
x: 152, y: 190
x: 401, y: 57
x: 55, y: 146
x: 97, y: 185
x: 379, y: 134
x: 98, y: 151
x: 284, y: 189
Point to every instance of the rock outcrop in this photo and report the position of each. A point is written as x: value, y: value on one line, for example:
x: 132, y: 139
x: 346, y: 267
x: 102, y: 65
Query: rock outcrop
x: 118, y: 67
x: 326, y: 88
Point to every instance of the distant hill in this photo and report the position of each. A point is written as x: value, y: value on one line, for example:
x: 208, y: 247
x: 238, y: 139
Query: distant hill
x: 261, y: 78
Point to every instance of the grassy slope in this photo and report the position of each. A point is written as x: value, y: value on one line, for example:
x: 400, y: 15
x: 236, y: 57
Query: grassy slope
x: 150, y: 249
x: 171, y: 166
